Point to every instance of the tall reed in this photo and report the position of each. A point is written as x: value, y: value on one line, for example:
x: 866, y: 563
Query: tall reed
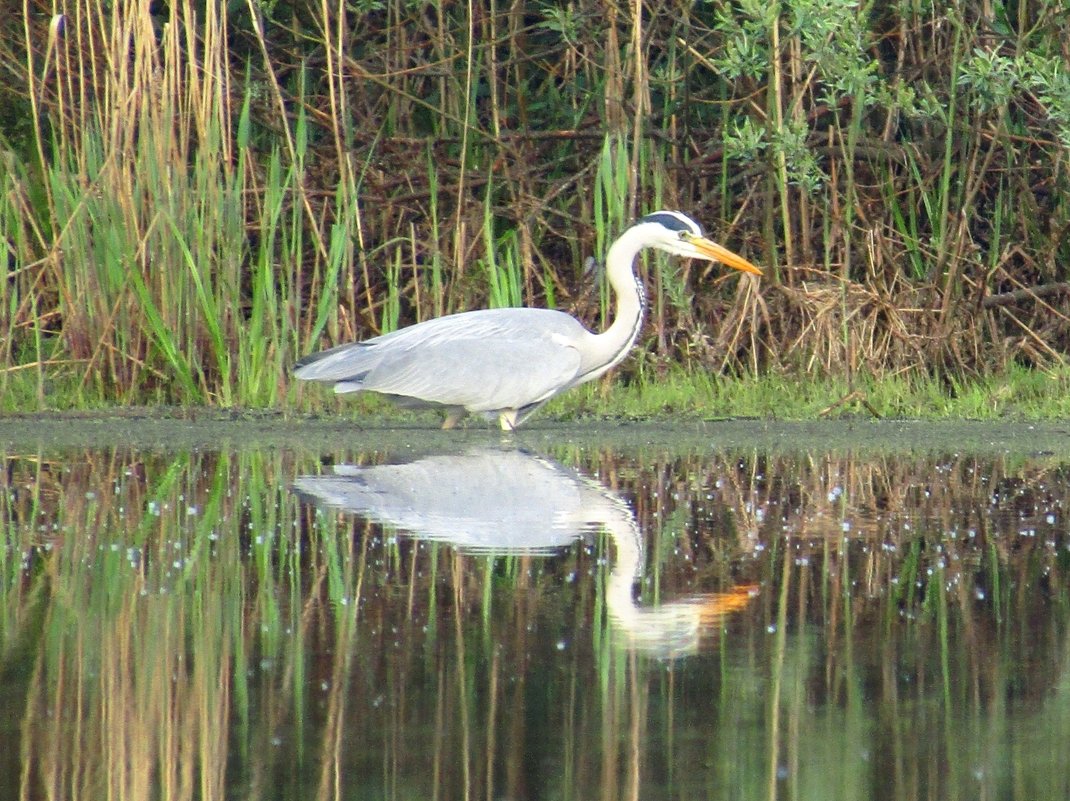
x: 195, y: 196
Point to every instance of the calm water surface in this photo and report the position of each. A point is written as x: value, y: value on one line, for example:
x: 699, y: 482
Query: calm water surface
x: 466, y: 619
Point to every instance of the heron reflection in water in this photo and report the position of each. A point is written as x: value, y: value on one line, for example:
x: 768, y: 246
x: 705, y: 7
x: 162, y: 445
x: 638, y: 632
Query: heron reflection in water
x: 508, y: 502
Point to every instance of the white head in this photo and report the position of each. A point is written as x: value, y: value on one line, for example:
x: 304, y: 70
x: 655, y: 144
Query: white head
x: 679, y: 235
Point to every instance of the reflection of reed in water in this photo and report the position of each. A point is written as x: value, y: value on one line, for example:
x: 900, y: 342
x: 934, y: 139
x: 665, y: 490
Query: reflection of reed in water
x: 509, y: 502
x: 173, y: 625
x: 135, y: 646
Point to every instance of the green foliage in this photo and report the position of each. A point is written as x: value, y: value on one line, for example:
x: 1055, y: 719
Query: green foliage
x: 181, y: 227
x: 502, y: 262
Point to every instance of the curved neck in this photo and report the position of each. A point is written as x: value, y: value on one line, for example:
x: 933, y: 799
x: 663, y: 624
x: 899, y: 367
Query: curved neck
x: 613, y: 344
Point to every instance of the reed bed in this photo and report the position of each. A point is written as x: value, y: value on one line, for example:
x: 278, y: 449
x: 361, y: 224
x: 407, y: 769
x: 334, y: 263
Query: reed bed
x: 195, y: 194
x: 181, y: 627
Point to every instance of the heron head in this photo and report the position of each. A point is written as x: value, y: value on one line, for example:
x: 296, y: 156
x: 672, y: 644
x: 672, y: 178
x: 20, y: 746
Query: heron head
x: 679, y: 235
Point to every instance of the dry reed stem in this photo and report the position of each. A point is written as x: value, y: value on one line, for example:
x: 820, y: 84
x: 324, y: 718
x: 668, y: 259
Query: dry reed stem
x: 399, y: 92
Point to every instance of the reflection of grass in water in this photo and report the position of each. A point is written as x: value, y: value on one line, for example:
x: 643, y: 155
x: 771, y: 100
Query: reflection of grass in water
x: 192, y: 637
x: 148, y: 631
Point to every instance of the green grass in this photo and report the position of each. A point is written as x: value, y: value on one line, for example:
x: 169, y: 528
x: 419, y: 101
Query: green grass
x: 1019, y: 394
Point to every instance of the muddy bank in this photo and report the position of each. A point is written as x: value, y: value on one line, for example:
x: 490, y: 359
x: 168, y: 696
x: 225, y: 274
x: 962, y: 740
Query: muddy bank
x: 170, y: 429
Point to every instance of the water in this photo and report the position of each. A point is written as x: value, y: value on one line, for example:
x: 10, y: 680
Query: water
x: 419, y: 616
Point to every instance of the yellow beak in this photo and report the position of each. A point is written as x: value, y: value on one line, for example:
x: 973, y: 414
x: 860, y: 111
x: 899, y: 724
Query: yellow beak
x: 714, y: 251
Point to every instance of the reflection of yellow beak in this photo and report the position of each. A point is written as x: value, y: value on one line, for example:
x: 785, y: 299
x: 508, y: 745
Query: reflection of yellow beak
x: 719, y: 605
x: 714, y: 251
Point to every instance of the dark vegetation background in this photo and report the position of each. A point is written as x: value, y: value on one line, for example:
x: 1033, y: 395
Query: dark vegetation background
x: 194, y: 194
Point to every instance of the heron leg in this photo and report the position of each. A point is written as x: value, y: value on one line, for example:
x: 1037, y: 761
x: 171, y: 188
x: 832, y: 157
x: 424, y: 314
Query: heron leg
x: 507, y: 419
x: 453, y: 418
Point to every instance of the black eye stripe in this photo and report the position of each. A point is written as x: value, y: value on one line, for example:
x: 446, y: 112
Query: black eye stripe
x: 672, y: 222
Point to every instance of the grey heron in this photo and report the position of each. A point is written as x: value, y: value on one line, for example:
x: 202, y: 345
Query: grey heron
x: 509, y: 362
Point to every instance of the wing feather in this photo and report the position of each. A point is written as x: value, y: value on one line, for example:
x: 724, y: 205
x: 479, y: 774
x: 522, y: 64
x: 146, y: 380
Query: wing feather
x: 482, y: 361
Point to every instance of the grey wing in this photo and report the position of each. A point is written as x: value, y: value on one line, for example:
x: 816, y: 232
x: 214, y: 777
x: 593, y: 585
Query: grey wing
x: 482, y: 361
